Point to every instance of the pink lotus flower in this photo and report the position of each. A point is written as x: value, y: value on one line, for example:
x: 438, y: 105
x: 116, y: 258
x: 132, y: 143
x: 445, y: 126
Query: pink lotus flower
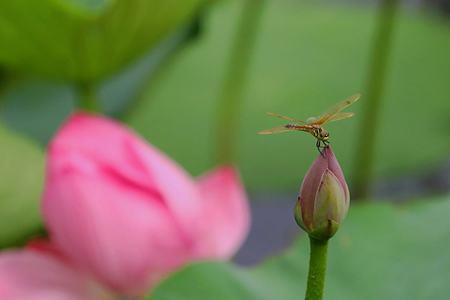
x: 125, y: 214
x: 324, y: 197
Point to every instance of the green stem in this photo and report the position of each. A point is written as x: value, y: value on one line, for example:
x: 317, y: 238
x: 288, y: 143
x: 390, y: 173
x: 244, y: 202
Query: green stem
x: 170, y: 48
x: 87, y: 100
x: 382, y: 44
x: 235, y: 80
x: 317, y: 269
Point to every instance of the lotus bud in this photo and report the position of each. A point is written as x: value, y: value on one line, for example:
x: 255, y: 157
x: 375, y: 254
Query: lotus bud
x: 324, y: 197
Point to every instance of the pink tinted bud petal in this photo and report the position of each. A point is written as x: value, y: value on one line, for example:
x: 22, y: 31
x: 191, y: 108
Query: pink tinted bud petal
x: 324, y: 197
x: 335, y: 168
x: 308, y: 192
x: 30, y: 275
x: 226, y: 215
x: 329, y: 208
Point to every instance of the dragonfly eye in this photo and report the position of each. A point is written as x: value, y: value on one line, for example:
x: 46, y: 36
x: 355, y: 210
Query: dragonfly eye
x: 324, y: 134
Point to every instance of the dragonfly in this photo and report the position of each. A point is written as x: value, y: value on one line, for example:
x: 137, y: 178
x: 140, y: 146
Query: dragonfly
x: 314, y: 125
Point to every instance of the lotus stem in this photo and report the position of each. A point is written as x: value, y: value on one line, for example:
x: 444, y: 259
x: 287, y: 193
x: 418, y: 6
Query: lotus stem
x: 382, y: 44
x: 235, y: 80
x: 317, y: 269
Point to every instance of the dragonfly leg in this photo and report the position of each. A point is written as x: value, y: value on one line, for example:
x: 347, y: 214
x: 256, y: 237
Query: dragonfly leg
x: 319, y: 147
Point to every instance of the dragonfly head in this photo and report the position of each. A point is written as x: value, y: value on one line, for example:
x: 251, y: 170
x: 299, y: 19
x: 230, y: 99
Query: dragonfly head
x: 322, y: 134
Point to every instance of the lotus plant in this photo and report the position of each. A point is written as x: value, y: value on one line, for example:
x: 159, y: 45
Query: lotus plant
x: 121, y: 216
x: 322, y: 205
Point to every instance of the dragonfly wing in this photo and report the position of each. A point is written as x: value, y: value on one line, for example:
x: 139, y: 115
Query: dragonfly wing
x: 278, y: 129
x: 336, y: 109
x: 284, y: 117
x: 341, y: 116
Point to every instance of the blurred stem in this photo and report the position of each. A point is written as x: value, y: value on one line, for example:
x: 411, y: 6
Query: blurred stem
x: 235, y: 80
x: 173, y: 46
x: 317, y: 269
x: 381, y: 48
x: 87, y: 99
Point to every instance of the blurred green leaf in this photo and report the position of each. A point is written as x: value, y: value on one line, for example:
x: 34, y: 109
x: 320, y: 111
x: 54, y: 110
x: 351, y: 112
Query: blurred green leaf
x: 84, y: 40
x: 21, y: 173
x: 307, y: 58
x: 382, y: 252
x: 36, y: 107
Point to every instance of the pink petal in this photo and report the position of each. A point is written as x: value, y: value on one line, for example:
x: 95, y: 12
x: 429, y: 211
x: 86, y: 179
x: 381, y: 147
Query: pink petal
x: 29, y: 275
x: 44, y: 246
x: 118, y: 231
x: 107, y: 144
x: 226, y: 214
